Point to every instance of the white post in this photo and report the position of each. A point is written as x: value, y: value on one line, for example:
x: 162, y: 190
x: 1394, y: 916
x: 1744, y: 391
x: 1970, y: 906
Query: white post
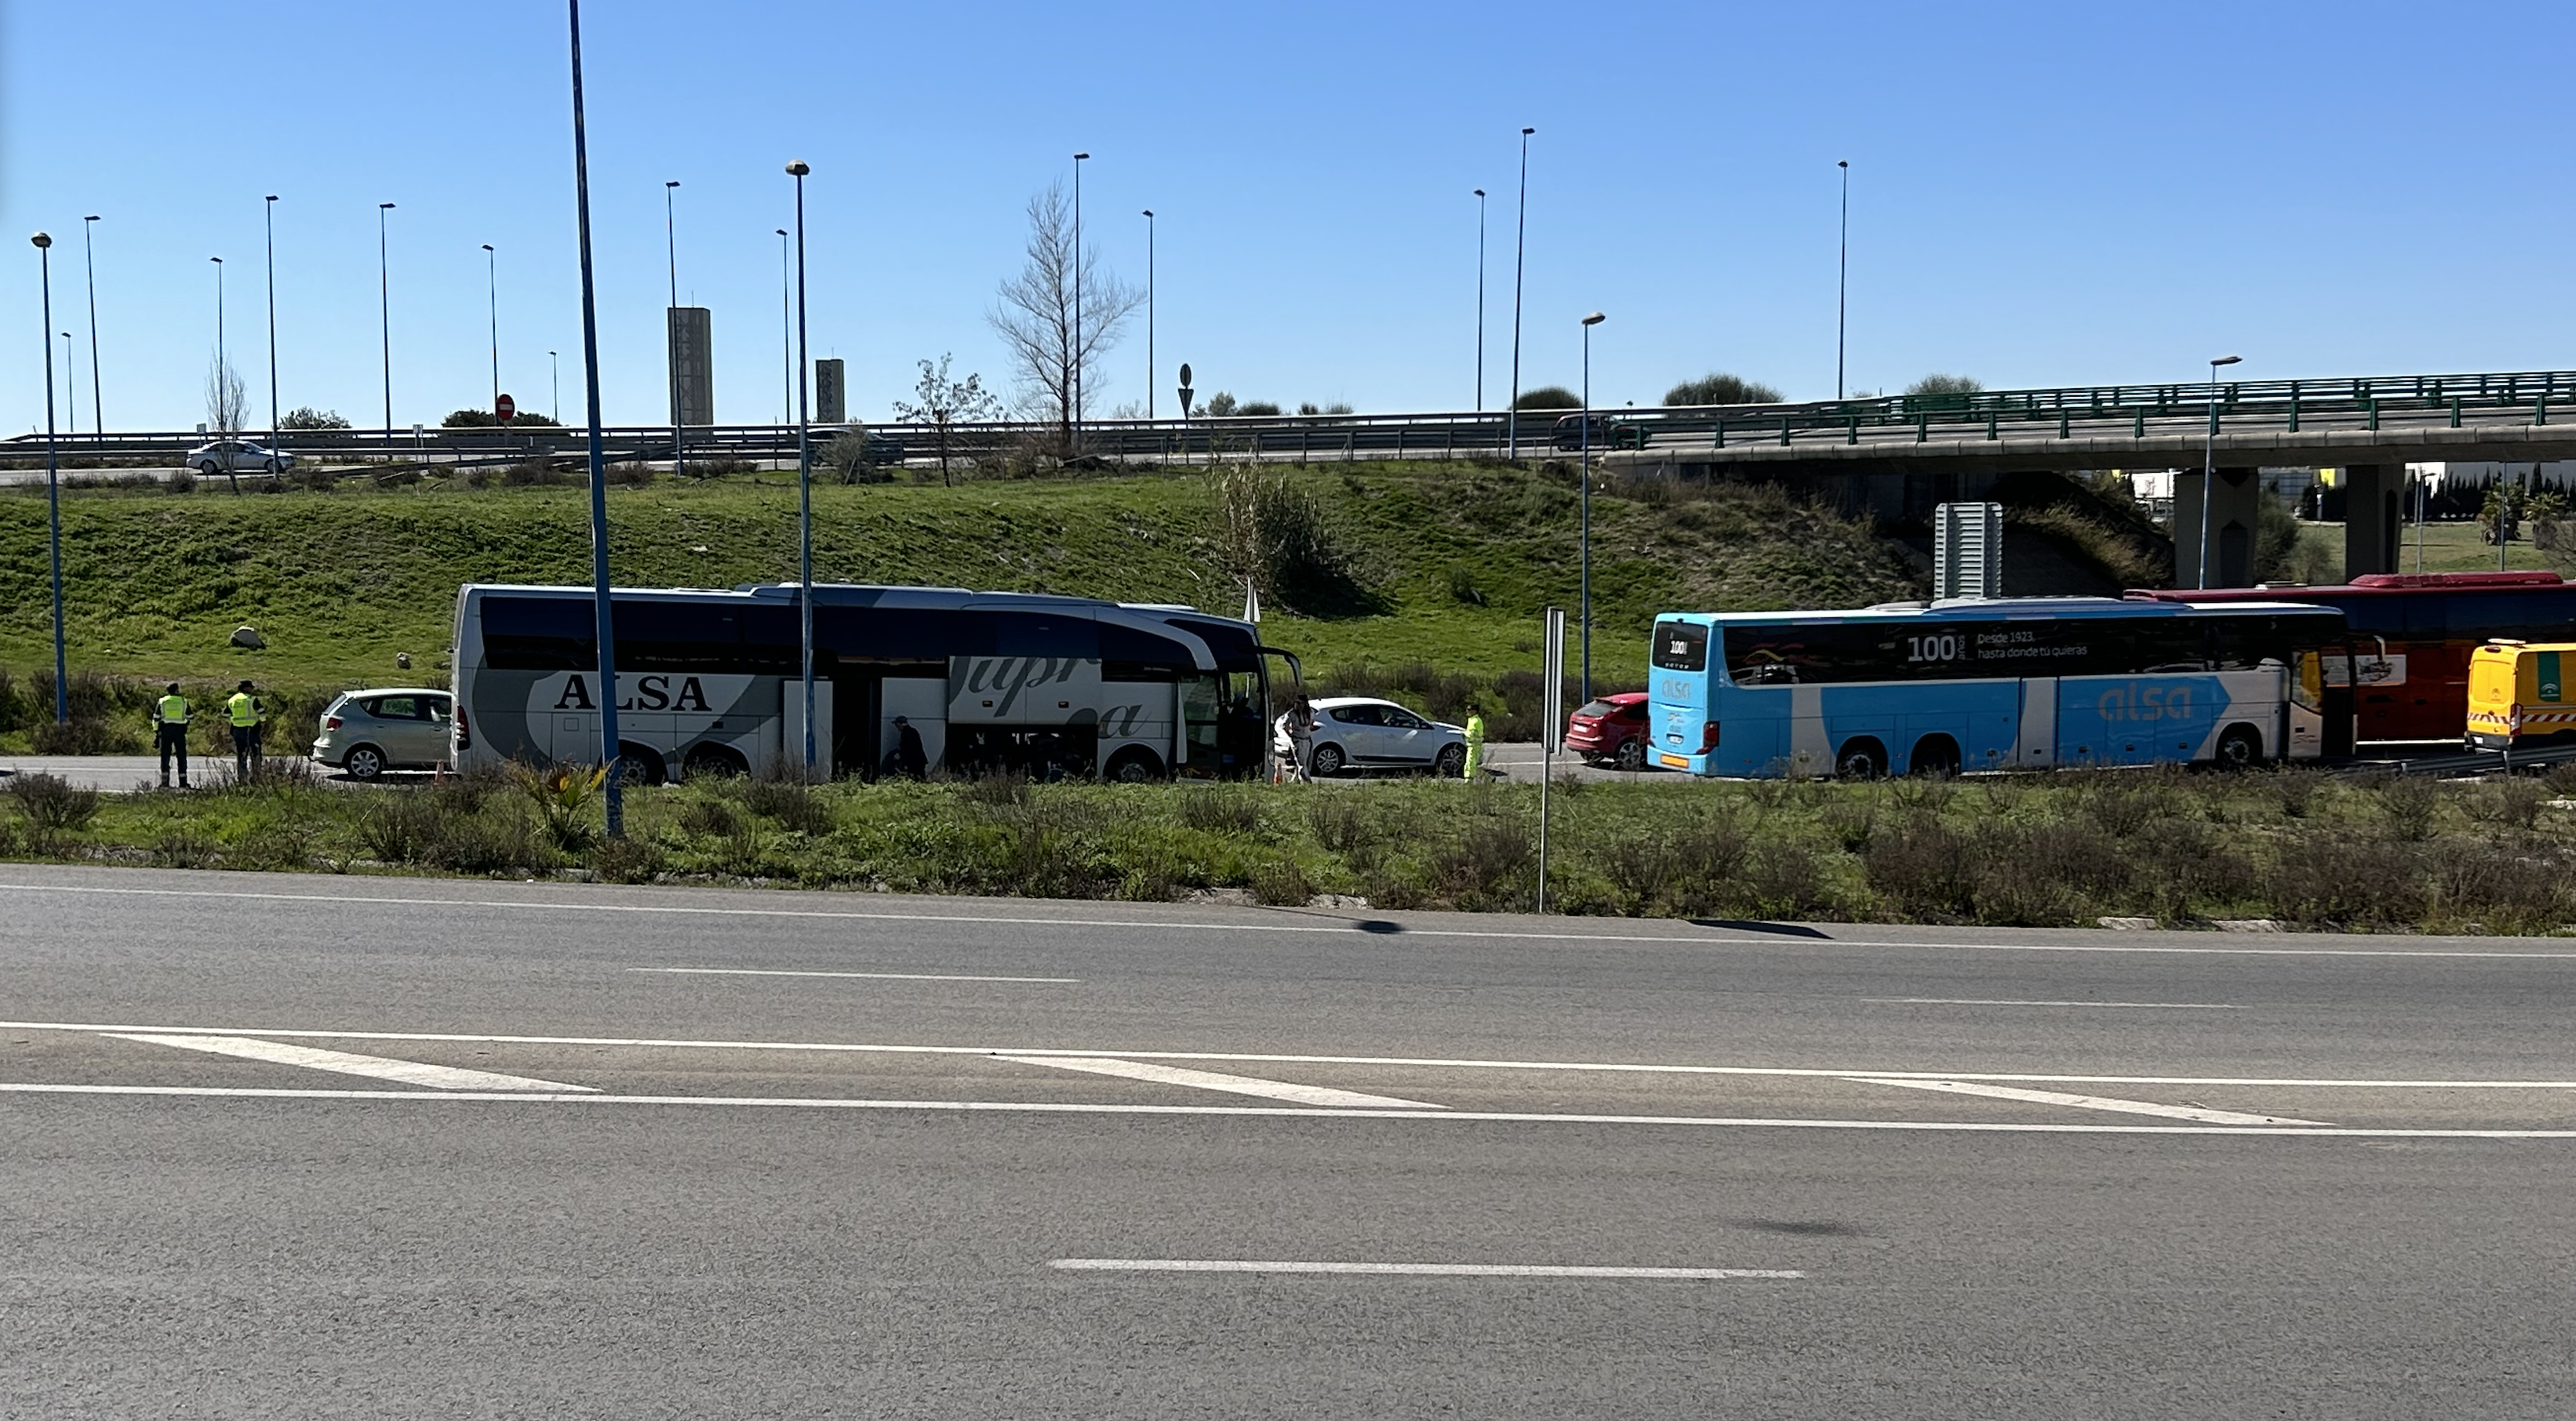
x: 1551, y: 731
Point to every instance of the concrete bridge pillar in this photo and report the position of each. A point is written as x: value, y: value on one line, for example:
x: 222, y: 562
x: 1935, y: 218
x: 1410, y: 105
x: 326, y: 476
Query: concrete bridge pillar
x: 2371, y: 518
x: 2232, y: 506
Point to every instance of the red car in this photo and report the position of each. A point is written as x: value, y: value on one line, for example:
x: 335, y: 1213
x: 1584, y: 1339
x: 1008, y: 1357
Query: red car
x: 1610, y: 731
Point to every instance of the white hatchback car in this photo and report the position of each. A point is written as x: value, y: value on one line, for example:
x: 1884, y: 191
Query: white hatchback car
x: 237, y: 456
x: 1363, y: 733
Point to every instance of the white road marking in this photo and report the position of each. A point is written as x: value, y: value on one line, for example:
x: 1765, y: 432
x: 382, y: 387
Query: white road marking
x: 380, y: 1067
x: 1287, y: 1112
x: 1274, y: 1058
x: 2095, y: 1102
x: 2017, y: 1002
x: 1408, y: 1270
x: 1211, y: 1080
x: 875, y: 976
x: 1265, y: 926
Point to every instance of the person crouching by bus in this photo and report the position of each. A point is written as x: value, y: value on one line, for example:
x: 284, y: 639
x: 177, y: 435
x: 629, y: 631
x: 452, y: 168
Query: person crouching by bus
x: 1301, y: 738
x: 170, y: 733
x: 243, y: 709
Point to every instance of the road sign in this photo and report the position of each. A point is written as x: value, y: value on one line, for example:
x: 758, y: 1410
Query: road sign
x: 506, y: 408
x: 1552, y: 714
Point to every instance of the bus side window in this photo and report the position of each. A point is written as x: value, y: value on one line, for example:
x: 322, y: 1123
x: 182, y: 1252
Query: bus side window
x: 2308, y: 688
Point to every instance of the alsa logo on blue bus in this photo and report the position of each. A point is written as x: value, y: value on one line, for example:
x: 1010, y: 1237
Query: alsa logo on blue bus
x: 1978, y: 684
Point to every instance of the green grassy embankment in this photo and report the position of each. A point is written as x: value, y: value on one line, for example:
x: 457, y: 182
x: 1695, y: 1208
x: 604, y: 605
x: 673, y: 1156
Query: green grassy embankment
x: 1454, y: 562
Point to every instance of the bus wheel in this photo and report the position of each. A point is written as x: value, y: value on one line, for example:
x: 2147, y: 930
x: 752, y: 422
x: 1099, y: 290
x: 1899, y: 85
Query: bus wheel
x: 2240, y: 747
x: 1134, y: 767
x: 707, y: 762
x: 1935, y: 755
x: 1861, y: 759
x: 637, y: 765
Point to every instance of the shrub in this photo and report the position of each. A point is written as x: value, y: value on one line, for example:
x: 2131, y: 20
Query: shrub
x: 2514, y: 802
x: 2296, y: 789
x: 2505, y: 894
x: 1279, y: 883
x: 2339, y: 881
x: 791, y: 803
x: 1783, y: 879
x: 1216, y: 811
x: 1338, y: 822
x: 52, y: 804
x: 1721, y: 389
x: 402, y: 825
x: 1548, y: 397
x: 183, y: 848
x: 628, y: 859
x: 502, y: 844
x: 1923, y: 869
x: 708, y: 818
x: 2411, y: 803
x: 81, y: 735
x: 1491, y: 864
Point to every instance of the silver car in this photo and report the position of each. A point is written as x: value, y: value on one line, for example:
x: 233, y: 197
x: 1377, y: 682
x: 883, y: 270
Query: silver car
x: 365, y: 733
x: 1364, y: 733
x: 237, y: 456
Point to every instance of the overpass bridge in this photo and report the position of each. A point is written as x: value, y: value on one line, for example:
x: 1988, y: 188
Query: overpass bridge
x: 1896, y: 455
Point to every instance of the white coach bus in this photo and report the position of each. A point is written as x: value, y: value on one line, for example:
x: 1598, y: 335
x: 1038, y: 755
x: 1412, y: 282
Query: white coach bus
x: 709, y: 682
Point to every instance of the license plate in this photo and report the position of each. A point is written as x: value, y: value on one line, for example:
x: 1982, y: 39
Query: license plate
x: 1674, y: 762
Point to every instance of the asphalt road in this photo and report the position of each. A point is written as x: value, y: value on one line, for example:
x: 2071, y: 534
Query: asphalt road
x: 391, y: 1147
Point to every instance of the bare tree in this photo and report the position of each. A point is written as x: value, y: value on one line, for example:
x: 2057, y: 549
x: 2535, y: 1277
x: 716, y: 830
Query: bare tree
x: 225, y: 400
x: 945, y: 403
x: 1036, y: 318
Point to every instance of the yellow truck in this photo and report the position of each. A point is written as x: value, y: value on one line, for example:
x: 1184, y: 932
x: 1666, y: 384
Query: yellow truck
x: 2519, y: 696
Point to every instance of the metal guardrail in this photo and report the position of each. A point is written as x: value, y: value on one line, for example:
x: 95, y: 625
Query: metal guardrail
x: 2536, y: 397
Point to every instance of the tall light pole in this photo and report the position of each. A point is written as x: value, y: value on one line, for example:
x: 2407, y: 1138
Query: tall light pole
x: 1520, y: 249
x: 554, y: 373
x: 385, y: 288
x: 1480, y: 300
x: 1073, y: 376
x: 223, y: 372
x: 786, y: 339
x: 671, y: 325
x: 53, y: 477
x: 268, y: 207
x: 89, y: 268
x: 1149, y: 313
x: 71, y: 385
x: 1583, y: 468
x: 603, y: 621
x: 804, y: 477
x: 492, y: 302
x: 2209, y: 464
x: 1842, y: 280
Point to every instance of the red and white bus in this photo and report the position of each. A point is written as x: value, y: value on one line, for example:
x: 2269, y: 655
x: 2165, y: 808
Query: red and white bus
x: 2412, y: 634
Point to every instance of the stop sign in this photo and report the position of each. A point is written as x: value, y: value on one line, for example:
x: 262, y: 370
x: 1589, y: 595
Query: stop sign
x: 506, y: 408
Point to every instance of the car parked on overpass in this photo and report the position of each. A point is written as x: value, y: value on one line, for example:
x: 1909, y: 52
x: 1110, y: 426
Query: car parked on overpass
x: 1607, y: 433
x: 365, y: 733
x: 1364, y: 733
x: 237, y: 456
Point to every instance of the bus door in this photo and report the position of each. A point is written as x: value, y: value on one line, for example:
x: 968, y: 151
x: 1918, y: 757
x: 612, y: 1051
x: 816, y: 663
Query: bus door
x: 2035, y: 748
x: 922, y: 700
x: 2307, y: 715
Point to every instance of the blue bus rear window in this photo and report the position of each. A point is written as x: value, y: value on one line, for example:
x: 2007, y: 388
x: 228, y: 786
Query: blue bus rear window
x: 1681, y: 646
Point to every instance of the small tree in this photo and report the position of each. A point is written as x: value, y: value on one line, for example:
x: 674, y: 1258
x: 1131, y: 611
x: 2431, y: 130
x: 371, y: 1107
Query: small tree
x: 1721, y: 389
x: 307, y: 417
x: 1946, y: 385
x: 1548, y: 397
x: 1055, y: 352
x: 225, y: 398
x: 943, y: 404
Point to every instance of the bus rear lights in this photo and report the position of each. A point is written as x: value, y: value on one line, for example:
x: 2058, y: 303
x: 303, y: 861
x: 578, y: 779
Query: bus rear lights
x: 464, y: 736
x: 1708, y: 737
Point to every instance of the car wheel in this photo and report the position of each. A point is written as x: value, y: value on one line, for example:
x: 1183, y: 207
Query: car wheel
x: 364, y: 762
x: 1326, y: 762
x: 1452, y: 763
x: 2240, y: 747
x: 210, y: 468
x: 1632, y: 753
x: 1134, y: 767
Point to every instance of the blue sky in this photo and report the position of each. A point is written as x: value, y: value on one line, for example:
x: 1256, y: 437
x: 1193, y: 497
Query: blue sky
x: 2041, y: 194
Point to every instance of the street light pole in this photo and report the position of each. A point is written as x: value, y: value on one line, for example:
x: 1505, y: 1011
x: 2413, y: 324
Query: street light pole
x: 1520, y: 251
x: 1842, y: 281
x: 1480, y: 300
x: 89, y: 268
x: 1073, y: 377
x: 268, y: 206
x: 786, y: 339
x: 223, y: 372
x: 53, y: 477
x: 671, y: 327
x: 1583, y: 469
x: 1149, y: 313
x: 384, y: 286
x: 2209, y: 464
x: 71, y: 386
x: 492, y: 299
x: 804, y: 477
x: 603, y: 619
x: 554, y: 373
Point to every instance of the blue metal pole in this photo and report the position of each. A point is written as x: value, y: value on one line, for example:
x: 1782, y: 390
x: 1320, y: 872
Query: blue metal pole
x: 804, y: 479
x: 603, y: 615
x: 53, y: 479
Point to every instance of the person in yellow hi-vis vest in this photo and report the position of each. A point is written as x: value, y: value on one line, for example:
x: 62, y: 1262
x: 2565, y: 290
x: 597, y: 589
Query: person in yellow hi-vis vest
x: 243, y: 709
x: 170, y: 730
x: 1475, y: 745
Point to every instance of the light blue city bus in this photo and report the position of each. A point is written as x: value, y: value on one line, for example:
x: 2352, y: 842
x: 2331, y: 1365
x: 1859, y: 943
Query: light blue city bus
x: 1996, y: 684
